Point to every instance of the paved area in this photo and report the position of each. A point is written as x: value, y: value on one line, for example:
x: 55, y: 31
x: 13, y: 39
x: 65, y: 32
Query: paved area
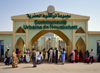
x: 52, y: 68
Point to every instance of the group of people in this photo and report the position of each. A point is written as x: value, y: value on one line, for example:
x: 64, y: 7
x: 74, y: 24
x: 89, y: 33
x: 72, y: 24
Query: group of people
x: 25, y: 58
x: 15, y: 59
x: 75, y: 56
x: 52, y: 56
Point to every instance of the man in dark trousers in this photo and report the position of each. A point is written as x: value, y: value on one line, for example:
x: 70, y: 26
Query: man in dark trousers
x: 34, y: 57
x: 7, y: 57
x: 56, y: 55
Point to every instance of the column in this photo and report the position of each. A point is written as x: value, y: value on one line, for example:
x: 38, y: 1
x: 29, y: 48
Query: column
x: 74, y: 36
x: 0, y: 48
x: 86, y: 35
x: 27, y: 35
x: 14, y: 35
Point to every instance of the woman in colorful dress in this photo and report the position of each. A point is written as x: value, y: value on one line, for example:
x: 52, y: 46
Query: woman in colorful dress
x: 14, y: 60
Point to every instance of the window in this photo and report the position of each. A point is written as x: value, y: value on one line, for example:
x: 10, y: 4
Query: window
x: 1, y: 48
x: 98, y: 47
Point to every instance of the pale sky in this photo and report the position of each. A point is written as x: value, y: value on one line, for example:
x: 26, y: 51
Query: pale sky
x: 10, y: 8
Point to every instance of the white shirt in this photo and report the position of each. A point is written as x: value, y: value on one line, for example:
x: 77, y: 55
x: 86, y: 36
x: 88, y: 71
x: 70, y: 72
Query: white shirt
x: 40, y: 56
x: 91, y: 53
x: 51, y: 52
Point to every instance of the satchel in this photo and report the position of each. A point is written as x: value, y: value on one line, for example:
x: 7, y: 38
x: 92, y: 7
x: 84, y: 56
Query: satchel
x: 5, y: 60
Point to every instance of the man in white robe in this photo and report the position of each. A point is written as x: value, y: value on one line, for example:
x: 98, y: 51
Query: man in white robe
x: 51, y: 55
x: 27, y: 56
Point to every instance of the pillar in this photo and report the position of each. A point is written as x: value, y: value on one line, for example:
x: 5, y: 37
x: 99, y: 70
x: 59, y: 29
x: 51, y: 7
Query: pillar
x: 27, y: 35
x: 14, y: 35
x: 74, y: 36
x: 86, y: 35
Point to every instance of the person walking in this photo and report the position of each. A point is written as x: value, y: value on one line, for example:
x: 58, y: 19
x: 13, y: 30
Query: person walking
x: 7, y: 57
x: 56, y: 55
x: 91, y: 56
x: 63, y: 56
x: 51, y: 55
x: 34, y: 57
x: 14, y: 59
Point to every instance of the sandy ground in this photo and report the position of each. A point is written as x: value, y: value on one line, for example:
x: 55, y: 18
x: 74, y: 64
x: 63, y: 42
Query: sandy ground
x: 52, y: 68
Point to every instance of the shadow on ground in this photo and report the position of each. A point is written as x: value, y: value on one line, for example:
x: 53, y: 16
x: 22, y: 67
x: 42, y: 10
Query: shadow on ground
x: 28, y: 67
x: 7, y: 68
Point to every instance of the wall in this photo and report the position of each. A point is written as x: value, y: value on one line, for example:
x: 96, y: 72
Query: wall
x: 67, y: 32
x: 7, y: 40
x: 82, y: 35
x: 92, y: 44
x: 18, y: 35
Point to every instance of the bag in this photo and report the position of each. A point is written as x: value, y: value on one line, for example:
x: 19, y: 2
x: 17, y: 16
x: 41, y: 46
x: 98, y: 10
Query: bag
x: 5, y: 60
x: 69, y: 59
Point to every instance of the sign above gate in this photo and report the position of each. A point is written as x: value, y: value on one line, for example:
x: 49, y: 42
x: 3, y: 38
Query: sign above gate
x: 48, y: 16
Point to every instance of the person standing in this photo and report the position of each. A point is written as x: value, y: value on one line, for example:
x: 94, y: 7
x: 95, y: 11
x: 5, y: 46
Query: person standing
x: 27, y: 57
x: 48, y: 54
x: 7, y: 57
x: 86, y: 55
x: 72, y: 55
x: 29, y: 52
x: 44, y: 53
x: 63, y: 56
x: 91, y: 56
x: 76, y: 56
x: 18, y: 52
x: 51, y: 55
x: 81, y: 56
x: 14, y: 60
x: 56, y: 55
x: 34, y: 57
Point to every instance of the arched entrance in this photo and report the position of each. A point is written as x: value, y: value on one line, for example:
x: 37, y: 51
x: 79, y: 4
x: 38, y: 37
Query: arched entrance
x: 20, y: 45
x: 80, y: 45
x: 55, y: 31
